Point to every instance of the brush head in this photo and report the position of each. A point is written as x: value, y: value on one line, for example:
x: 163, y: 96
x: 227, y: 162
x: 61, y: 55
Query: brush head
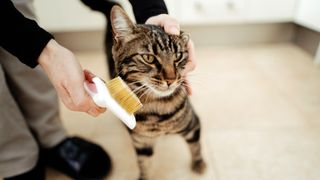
x: 120, y: 91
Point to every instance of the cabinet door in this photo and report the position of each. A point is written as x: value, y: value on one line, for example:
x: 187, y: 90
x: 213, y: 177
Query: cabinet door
x: 270, y: 10
x: 211, y: 11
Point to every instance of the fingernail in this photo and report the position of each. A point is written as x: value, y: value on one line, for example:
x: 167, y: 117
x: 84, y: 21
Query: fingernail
x: 174, y: 30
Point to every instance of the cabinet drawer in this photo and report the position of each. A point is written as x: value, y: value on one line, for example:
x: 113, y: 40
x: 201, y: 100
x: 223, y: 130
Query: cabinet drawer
x: 212, y: 11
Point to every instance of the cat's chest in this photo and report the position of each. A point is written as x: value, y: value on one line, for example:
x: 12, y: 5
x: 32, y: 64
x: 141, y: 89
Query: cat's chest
x: 161, y: 117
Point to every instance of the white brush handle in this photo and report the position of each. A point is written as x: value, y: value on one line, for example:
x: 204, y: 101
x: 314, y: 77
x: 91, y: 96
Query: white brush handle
x: 103, y: 99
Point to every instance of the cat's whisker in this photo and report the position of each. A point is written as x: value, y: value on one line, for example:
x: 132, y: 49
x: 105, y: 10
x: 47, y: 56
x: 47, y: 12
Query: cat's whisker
x: 149, y: 97
x: 135, y: 82
x: 141, y: 89
x: 146, y: 91
x: 138, y: 90
x: 120, y: 72
x: 146, y: 95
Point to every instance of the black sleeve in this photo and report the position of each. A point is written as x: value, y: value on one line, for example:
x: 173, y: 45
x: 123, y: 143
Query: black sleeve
x: 21, y: 36
x: 143, y: 9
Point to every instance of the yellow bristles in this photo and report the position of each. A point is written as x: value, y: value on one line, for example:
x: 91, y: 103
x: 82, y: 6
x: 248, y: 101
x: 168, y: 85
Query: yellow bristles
x: 123, y: 95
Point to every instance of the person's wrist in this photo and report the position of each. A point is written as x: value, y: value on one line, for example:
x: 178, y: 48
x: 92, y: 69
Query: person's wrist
x: 47, y: 52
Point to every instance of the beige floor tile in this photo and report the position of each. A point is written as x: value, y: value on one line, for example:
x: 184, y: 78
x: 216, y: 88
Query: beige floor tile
x: 295, y: 76
x: 265, y: 155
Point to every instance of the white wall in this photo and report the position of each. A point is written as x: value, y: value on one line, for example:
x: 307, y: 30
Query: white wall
x: 67, y: 15
x: 308, y: 14
x: 70, y: 15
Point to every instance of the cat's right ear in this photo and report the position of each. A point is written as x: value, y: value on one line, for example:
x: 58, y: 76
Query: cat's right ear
x: 122, y: 26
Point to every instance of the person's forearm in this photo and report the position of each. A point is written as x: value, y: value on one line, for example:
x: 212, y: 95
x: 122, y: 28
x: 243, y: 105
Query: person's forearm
x: 21, y: 36
x: 144, y: 9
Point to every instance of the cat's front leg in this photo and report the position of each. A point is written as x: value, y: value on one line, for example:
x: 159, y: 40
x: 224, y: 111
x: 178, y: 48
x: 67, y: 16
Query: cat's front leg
x: 144, y: 161
x: 192, y: 137
x: 144, y: 148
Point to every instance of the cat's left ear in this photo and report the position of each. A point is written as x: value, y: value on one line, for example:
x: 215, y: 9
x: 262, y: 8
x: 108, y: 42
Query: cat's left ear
x: 122, y: 26
x: 185, y: 38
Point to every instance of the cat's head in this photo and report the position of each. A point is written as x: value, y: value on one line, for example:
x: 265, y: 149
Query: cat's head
x: 146, y: 57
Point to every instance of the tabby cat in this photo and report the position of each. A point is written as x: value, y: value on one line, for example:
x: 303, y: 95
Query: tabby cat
x: 150, y: 62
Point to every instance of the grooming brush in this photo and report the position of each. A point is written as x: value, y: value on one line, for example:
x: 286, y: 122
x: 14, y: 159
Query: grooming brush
x: 117, y: 97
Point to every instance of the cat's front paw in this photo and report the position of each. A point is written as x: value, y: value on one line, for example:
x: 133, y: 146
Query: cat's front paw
x: 199, y: 166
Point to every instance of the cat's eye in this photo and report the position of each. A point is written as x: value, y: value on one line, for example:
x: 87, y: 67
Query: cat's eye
x: 148, y: 58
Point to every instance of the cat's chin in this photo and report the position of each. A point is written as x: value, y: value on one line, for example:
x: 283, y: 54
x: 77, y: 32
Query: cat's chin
x: 161, y: 93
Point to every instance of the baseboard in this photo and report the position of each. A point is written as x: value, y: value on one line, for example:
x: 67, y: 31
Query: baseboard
x: 241, y: 34
x: 307, y: 39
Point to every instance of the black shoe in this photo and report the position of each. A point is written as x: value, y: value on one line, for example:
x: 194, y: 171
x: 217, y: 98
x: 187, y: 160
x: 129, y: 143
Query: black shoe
x: 37, y: 173
x: 79, y: 159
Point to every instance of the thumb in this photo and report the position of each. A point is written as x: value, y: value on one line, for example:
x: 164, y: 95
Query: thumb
x: 171, y: 26
x: 172, y: 29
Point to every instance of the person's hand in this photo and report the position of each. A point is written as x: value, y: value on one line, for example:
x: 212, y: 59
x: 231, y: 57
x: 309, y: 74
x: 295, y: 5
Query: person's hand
x: 66, y: 75
x: 172, y: 26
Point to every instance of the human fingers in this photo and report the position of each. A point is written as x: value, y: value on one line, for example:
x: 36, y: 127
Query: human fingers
x: 169, y: 24
x: 191, y: 64
x: 188, y: 87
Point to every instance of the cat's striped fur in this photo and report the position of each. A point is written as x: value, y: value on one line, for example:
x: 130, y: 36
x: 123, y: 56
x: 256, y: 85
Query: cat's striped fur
x: 151, y: 62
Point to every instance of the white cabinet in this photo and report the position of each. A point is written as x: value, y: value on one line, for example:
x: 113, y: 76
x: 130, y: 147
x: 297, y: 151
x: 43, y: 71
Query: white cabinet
x: 270, y: 10
x: 211, y: 11
x: 232, y: 11
x: 308, y: 14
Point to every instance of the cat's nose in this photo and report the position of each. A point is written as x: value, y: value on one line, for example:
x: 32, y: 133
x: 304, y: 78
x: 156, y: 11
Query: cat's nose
x: 170, y: 81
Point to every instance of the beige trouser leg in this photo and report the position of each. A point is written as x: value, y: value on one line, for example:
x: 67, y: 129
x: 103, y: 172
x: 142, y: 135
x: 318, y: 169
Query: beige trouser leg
x: 27, y: 100
x: 36, y: 99
x: 18, y: 149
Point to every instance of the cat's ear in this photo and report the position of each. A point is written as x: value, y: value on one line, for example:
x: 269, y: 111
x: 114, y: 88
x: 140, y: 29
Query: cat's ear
x: 122, y: 26
x: 185, y: 38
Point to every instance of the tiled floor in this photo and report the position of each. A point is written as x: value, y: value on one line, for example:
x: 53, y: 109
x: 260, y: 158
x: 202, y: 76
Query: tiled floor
x: 260, y: 110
